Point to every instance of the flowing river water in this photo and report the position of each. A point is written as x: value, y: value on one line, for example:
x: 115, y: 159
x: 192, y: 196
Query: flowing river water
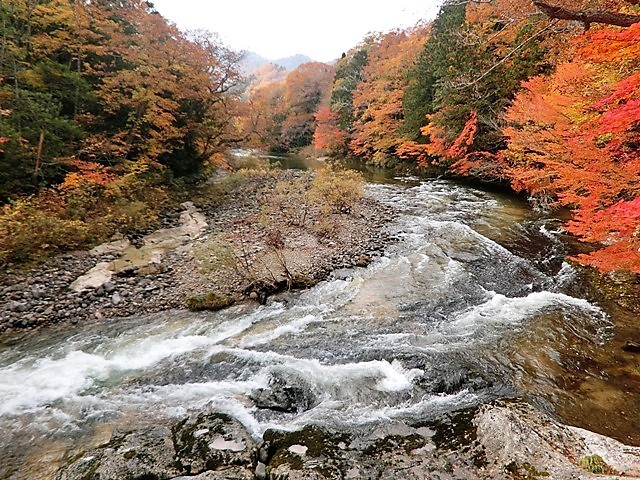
x: 472, y: 301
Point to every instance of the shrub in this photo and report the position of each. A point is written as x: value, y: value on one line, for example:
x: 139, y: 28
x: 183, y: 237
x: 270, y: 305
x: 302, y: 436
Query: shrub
x: 88, y: 207
x: 289, y: 198
x: 27, y: 231
x: 338, y: 191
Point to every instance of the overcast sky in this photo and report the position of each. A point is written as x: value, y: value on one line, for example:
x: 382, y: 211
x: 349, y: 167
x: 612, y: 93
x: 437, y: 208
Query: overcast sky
x: 322, y: 29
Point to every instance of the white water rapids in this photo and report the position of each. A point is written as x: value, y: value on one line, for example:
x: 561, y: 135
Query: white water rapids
x: 434, y: 324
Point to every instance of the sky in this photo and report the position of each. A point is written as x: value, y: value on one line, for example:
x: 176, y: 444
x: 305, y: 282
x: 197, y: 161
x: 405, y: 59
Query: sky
x: 321, y: 29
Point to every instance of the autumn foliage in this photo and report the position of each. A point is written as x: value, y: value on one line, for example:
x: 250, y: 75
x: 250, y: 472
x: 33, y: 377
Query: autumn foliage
x: 328, y: 135
x: 574, y: 140
x: 102, y: 105
x: 377, y: 99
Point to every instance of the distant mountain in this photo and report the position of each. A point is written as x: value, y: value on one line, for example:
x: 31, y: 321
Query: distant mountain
x: 292, y: 62
x: 253, y: 61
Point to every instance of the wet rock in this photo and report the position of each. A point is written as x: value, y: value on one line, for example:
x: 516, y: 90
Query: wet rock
x: 286, y: 393
x: 383, y: 451
x: 140, y: 454
x: 211, y: 441
x: 322, y: 458
x: 502, y: 440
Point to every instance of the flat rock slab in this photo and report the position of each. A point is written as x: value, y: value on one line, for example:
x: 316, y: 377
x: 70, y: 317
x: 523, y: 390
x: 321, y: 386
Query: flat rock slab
x: 207, y: 446
x: 504, y: 440
x: 155, y: 246
x: 520, y: 438
x: 233, y: 473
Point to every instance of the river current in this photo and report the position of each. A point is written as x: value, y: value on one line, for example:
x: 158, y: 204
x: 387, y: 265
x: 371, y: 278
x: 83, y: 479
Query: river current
x: 470, y: 302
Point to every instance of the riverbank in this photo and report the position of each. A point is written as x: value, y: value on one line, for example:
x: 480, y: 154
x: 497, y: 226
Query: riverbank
x: 256, y: 233
x: 500, y: 440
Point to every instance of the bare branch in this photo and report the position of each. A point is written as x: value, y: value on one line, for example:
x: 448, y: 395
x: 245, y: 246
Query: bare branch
x: 588, y: 17
x: 510, y: 54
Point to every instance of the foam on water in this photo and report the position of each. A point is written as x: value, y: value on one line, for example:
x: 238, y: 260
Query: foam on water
x: 381, y: 375
x: 502, y: 310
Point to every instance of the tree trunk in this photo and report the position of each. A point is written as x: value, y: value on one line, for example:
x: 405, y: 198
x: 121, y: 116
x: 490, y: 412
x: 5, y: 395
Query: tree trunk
x: 588, y: 17
x: 36, y: 169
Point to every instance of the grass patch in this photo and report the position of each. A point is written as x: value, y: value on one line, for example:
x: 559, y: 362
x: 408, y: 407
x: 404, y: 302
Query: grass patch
x: 595, y: 464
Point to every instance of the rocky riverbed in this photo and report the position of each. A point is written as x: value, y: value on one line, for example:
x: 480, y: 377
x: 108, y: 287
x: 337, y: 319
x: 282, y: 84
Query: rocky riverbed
x: 501, y: 440
x: 236, y: 244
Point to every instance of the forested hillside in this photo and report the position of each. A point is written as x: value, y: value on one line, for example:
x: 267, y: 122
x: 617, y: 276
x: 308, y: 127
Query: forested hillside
x: 544, y: 97
x: 103, y: 104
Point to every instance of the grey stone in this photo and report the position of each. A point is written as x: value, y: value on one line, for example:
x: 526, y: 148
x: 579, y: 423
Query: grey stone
x: 286, y: 393
x: 147, y: 453
x: 13, y: 305
x: 116, y: 299
x: 516, y: 434
x: 37, y: 294
x: 211, y: 441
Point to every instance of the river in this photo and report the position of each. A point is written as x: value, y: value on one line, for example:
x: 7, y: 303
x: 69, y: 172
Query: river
x: 472, y: 301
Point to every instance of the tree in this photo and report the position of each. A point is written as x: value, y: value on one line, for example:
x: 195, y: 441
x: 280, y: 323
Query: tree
x: 470, y: 68
x: 347, y: 77
x: 304, y: 90
x: 328, y: 135
x: 264, y: 116
x: 377, y: 99
x: 108, y: 82
x: 574, y: 138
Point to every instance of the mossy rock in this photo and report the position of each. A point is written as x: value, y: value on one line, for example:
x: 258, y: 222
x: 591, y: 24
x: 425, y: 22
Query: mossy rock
x: 210, y: 301
x: 212, y: 441
x: 524, y: 471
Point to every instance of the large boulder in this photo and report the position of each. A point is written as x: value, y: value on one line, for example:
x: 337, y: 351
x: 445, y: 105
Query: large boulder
x: 212, y: 446
x: 142, y: 454
x: 522, y: 440
x: 213, y: 441
x: 285, y: 393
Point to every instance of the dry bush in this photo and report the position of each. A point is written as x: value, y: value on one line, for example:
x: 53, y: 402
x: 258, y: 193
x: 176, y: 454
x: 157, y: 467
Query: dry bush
x: 337, y: 191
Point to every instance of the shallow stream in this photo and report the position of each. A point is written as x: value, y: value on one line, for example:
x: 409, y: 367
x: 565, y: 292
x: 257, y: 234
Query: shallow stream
x: 471, y: 302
